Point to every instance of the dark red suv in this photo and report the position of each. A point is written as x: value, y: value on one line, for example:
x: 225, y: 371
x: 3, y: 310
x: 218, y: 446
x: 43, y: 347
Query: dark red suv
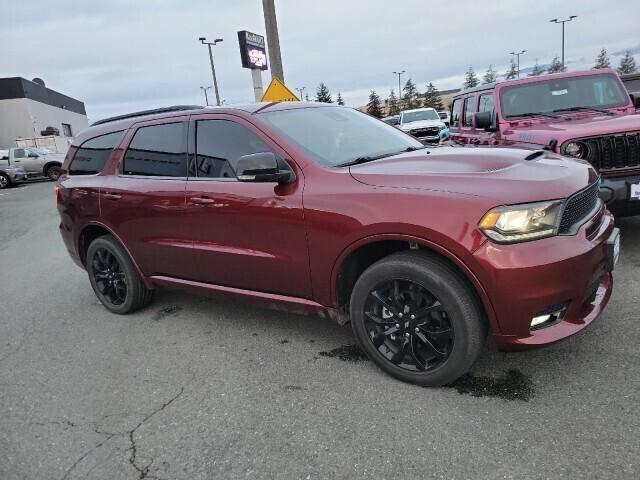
x: 317, y: 208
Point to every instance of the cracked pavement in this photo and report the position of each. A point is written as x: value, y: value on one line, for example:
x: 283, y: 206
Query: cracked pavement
x: 194, y: 388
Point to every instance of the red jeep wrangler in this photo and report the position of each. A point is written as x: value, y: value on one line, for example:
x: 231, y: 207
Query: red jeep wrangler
x: 587, y: 115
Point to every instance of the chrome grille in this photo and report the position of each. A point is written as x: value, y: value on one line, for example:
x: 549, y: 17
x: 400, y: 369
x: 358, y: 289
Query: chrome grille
x: 425, y: 132
x: 578, y: 206
x: 613, y: 152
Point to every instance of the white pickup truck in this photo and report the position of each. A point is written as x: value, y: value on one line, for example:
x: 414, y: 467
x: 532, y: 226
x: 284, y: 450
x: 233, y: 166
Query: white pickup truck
x: 37, y: 162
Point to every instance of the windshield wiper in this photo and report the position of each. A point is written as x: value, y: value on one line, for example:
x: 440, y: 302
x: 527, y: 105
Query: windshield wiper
x: 579, y: 109
x: 370, y: 158
x: 533, y: 114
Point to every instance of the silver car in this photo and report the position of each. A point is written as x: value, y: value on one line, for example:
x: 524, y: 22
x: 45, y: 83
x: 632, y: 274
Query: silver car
x: 11, y: 175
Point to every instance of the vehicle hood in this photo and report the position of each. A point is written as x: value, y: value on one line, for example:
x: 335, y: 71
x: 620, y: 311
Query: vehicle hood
x: 503, y: 175
x: 573, y: 126
x: 421, y: 124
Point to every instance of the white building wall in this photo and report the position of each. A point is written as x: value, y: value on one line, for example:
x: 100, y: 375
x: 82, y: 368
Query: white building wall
x: 23, y: 117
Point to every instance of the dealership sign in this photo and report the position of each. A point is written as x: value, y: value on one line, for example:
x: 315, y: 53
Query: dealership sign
x: 252, y: 50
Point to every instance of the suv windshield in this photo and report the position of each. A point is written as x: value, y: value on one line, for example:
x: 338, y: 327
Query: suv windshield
x: 335, y: 135
x: 556, y: 95
x: 408, y: 117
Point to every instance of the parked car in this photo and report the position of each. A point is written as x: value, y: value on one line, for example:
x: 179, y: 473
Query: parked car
x: 37, y: 162
x: 391, y: 120
x: 422, y: 123
x: 631, y: 82
x: 445, y: 117
x: 586, y: 115
x: 320, y: 208
x: 10, y: 176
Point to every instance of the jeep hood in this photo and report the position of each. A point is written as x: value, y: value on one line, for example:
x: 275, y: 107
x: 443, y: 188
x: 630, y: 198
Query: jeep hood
x: 569, y: 127
x: 503, y: 175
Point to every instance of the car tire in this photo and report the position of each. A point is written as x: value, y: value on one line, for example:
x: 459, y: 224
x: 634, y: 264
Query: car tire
x: 114, y: 278
x: 447, y: 334
x: 53, y: 172
x: 5, y: 181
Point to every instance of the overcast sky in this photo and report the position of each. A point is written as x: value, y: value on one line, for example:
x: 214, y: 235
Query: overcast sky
x: 119, y: 56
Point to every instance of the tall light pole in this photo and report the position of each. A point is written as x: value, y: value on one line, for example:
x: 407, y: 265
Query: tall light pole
x: 399, y: 74
x: 555, y: 20
x: 206, y: 97
x: 271, y: 28
x: 203, y: 40
x: 301, y: 90
x: 517, y: 54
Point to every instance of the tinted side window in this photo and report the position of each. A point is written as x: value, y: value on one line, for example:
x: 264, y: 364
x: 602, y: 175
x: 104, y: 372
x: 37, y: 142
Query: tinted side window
x: 19, y: 153
x: 467, y: 120
x: 92, y: 154
x: 486, y: 103
x: 159, y: 151
x: 219, y: 144
x: 456, y: 113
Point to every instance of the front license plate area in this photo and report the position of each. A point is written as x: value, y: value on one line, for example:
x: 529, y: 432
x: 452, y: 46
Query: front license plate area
x: 613, y: 249
x: 634, y: 191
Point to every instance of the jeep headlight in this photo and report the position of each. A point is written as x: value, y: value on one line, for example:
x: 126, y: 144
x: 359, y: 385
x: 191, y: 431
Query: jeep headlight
x: 575, y: 149
x: 519, y: 223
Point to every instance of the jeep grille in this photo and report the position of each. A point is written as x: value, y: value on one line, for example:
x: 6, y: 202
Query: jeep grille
x: 614, y: 151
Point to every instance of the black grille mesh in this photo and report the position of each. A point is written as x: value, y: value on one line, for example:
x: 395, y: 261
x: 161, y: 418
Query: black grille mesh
x: 614, y: 151
x: 578, y: 206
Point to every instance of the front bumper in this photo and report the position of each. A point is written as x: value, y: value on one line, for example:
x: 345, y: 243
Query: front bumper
x: 527, y: 279
x: 615, y: 192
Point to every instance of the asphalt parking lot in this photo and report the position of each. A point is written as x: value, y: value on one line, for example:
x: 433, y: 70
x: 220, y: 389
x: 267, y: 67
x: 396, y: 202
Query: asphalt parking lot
x: 194, y: 388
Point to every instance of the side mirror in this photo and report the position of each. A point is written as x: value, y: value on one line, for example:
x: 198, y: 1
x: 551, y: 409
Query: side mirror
x: 484, y: 121
x: 635, y: 98
x: 261, y: 167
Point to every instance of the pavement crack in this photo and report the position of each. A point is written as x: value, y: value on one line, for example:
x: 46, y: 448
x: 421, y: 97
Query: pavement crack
x: 144, y: 470
x: 84, y: 455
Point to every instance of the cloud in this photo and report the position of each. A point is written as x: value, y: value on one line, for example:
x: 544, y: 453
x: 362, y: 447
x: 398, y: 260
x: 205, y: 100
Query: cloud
x: 119, y: 56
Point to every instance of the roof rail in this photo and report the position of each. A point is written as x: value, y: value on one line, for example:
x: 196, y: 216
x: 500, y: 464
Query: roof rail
x: 174, y: 108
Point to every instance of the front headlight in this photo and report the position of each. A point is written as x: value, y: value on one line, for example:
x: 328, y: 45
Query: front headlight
x: 576, y: 150
x: 519, y: 223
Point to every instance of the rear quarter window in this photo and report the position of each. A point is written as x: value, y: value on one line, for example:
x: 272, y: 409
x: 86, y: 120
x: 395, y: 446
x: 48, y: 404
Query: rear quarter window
x: 456, y: 113
x: 92, y: 155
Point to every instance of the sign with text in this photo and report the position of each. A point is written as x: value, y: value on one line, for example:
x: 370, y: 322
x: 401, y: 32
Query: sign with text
x: 252, y: 50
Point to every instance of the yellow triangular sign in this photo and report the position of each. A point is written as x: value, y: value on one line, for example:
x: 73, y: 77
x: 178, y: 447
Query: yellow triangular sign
x: 278, y: 92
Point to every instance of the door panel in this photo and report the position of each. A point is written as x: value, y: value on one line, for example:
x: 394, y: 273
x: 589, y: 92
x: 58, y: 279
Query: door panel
x: 147, y: 209
x: 250, y: 235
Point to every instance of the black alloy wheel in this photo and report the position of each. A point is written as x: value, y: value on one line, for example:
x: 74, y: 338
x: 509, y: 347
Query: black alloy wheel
x: 408, y: 325
x: 109, y: 277
x: 418, y: 318
x: 114, y: 277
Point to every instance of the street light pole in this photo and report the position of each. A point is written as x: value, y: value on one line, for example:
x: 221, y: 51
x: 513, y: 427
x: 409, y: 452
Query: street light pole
x: 555, y: 20
x: 301, y: 90
x: 206, y: 97
x: 271, y: 27
x: 517, y: 54
x: 399, y: 74
x: 213, y: 69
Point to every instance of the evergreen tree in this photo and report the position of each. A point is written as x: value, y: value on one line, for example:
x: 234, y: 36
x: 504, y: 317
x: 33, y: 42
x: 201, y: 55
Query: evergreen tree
x: 627, y: 64
x: 339, y: 99
x: 322, y: 94
x: 432, y: 98
x: 556, y: 66
x: 374, y: 107
x: 470, y: 79
x: 490, y: 76
x: 410, y: 96
x: 392, y: 102
x: 602, y: 60
x: 512, y: 72
x: 537, y: 70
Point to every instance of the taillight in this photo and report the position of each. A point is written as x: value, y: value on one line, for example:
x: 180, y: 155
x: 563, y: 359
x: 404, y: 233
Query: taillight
x: 56, y: 192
